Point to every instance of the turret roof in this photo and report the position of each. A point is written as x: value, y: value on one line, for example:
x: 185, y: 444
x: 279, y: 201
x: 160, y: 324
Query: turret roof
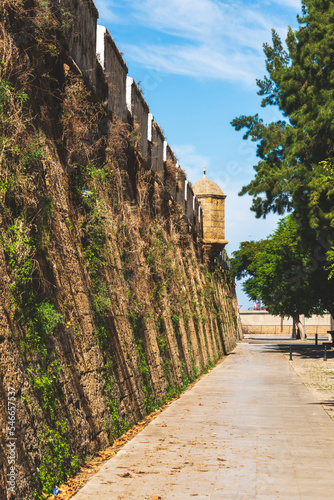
x: 205, y: 186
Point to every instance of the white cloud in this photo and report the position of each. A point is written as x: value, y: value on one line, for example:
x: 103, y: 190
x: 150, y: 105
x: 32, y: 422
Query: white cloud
x: 295, y: 4
x: 204, y: 20
x: 198, y: 62
x: 190, y: 160
x: 202, y: 38
x: 241, y: 224
x: 107, y: 11
x: 190, y: 19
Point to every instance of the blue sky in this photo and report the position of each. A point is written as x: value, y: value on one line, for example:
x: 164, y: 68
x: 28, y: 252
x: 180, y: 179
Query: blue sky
x: 197, y: 62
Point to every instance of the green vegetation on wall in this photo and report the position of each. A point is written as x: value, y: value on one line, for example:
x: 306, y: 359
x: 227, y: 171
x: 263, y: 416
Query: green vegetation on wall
x: 109, y: 309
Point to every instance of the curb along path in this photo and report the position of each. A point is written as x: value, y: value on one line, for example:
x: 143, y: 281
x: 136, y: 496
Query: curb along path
x: 248, y: 430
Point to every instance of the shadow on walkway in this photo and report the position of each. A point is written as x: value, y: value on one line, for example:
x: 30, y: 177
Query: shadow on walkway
x: 304, y: 350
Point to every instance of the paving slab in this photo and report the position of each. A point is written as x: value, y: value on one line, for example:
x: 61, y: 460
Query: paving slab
x: 247, y: 430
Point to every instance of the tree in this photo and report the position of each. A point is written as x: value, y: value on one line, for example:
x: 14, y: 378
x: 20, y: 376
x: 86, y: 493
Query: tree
x: 300, y: 83
x: 280, y: 272
x: 322, y: 204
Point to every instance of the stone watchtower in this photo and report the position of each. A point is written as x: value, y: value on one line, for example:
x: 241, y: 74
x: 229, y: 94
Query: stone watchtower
x: 212, y: 201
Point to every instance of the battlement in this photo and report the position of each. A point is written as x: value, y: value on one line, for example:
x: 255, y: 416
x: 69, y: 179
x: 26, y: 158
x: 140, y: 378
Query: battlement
x: 91, y: 46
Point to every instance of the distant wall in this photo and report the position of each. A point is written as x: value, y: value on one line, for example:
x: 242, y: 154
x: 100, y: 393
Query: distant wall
x: 257, y: 322
x: 91, y: 45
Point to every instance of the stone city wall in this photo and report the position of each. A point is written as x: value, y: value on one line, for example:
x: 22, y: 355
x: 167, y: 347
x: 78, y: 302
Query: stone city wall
x: 157, y: 149
x: 115, y: 72
x: 106, y: 307
x: 82, y: 35
x: 139, y: 111
x: 98, y: 58
x: 261, y: 322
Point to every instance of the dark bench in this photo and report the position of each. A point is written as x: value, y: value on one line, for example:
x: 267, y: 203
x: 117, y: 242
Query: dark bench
x: 331, y: 332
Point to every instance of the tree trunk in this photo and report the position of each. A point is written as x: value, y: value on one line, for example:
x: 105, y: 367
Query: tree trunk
x: 300, y: 328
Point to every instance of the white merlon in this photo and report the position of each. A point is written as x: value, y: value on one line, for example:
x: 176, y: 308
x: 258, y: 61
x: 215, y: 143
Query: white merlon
x: 129, y: 82
x: 149, y: 127
x: 165, y: 151
x: 100, y: 32
x: 186, y: 190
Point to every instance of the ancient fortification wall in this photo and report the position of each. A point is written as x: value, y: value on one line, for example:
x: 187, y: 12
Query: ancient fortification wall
x: 261, y: 322
x: 125, y: 100
x: 106, y: 306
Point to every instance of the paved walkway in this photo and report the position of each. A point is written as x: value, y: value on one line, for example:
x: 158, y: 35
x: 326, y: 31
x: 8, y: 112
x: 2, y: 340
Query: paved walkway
x: 248, y: 430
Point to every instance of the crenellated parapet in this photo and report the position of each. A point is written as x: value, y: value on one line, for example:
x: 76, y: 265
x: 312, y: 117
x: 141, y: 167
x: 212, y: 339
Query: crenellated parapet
x: 95, y: 53
x: 82, y: 35
x: 156, y: 149
x: 115, y: 71
x: 139, y: 111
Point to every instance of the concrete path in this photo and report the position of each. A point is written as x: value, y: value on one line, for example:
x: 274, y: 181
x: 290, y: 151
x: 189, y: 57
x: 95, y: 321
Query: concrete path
x: 248, y: 430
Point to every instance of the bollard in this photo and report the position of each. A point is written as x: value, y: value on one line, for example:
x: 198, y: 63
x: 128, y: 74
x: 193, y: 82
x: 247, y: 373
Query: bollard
x: 325, y: 353
x: 290, y: 352
x: 316, y: 339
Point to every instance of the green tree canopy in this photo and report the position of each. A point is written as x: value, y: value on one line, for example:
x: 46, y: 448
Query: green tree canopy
x: 290, y: 174
x: 280, y: 271
x: 300, y: 83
